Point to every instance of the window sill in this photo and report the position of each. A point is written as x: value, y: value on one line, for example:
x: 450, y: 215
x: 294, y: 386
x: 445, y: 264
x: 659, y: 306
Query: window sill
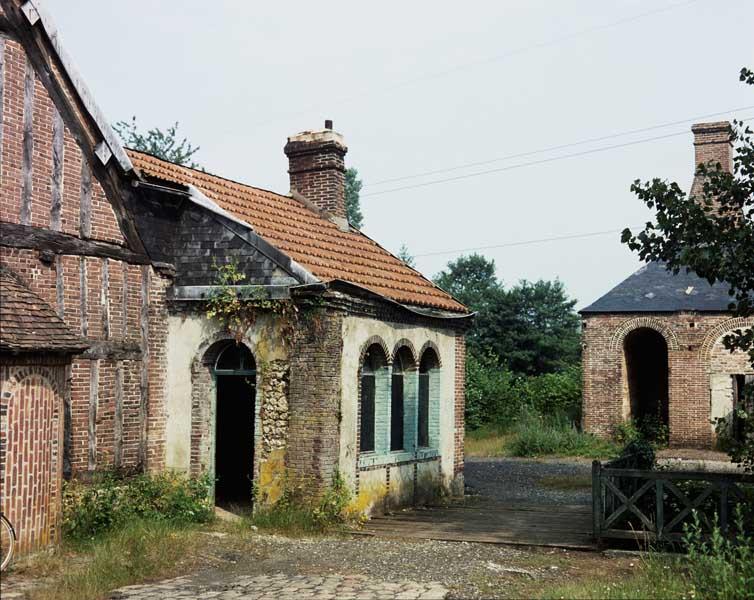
x: 371, y: 459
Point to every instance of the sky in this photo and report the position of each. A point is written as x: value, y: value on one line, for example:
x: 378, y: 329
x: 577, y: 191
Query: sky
x: 424, y: 86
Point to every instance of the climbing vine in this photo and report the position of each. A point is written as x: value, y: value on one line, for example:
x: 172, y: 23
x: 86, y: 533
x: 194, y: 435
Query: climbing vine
x: 238, y: 306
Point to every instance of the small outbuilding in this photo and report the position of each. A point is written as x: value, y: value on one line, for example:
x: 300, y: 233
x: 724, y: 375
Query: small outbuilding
x: 653, y: 345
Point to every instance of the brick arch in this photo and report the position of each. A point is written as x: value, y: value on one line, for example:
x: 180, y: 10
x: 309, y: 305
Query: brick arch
x: 406, y: 344
x: 719, y: 331
x: 375, y: 339
x: 643, y: 322
x: 431, y: 345
x: 52, y: 375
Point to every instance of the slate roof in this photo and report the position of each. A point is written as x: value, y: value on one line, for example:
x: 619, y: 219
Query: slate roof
x: 308, y: 237
x: 655, y: 289
x: 28, y: 324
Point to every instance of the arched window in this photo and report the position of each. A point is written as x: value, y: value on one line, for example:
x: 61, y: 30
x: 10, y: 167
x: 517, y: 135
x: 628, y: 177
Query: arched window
x: 374, y: 363
x: 235, y: 359
x: 428, y: 392
x: 397, y: 405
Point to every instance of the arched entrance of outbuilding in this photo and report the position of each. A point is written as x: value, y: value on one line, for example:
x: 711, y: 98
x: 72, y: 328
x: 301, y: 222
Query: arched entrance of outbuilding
x: 646, y: 370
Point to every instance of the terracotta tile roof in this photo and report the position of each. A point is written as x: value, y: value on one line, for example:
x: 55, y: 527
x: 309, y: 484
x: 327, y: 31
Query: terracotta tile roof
x: 28, y: 324
x: 309, y: 238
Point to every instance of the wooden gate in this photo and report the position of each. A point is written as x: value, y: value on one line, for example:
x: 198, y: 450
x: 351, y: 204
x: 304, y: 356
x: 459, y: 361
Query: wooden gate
x: 654, y: 505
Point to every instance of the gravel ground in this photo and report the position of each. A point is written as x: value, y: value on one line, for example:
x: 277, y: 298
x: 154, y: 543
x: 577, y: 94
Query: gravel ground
x: 467, y: 570
x: 508, y: 480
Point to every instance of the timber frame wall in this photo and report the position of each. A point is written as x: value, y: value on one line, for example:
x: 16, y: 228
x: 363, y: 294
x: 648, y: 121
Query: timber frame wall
x: 60, y: 233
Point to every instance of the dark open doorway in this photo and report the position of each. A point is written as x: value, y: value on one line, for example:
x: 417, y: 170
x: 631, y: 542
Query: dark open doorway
x: 234, y: 427
x: 646, y: 355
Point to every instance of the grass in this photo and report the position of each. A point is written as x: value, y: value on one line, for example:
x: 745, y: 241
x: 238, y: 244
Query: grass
x: 532, y: 435
x: 654, y: 579
x: 139, y: 551
x: 567, y: 482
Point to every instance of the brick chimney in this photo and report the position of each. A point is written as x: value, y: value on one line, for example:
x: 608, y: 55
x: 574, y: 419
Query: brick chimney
x: 712, y: 144
x: 317, y: 169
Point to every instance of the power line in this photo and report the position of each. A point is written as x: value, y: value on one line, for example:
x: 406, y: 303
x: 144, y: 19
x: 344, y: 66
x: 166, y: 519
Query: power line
x: 523, y: 243
x: 531, y: 163
x: 525, y: 164
x: 558, y: 147
x: 483, y: 61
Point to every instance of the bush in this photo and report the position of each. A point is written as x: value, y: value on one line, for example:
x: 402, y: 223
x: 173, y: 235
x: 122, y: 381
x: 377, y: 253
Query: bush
x: 112, y: 501
x: 720, y: 567
x: 496, y: 396
x: 535, y: 435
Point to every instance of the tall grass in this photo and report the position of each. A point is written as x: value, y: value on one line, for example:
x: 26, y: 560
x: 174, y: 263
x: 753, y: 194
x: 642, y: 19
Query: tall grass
x: 136, y: 552
x: 532, y: 435
x: 546, y: 435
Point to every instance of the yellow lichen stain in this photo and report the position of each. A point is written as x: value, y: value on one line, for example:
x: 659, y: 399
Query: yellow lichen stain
x: 370, y: 497
x: 272, y: 474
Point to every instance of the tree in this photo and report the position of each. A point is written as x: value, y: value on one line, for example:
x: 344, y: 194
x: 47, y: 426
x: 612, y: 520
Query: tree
x: 353, y: 206
x: 713, y: 236
x: 162, y: 144
x: 471, y: 279
x: 531, y: 328
x: 406, y: 256
x: 543, y: 328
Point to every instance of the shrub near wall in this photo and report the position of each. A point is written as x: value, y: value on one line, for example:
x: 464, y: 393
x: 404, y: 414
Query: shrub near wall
x: 112, y: 501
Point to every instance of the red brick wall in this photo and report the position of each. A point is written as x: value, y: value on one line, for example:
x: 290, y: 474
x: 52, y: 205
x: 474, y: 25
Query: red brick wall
x: 31, y: 443
x: 690, y: 337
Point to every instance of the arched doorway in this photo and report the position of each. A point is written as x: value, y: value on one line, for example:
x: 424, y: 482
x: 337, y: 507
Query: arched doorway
x: 235, y: 381
x: 646, y: 359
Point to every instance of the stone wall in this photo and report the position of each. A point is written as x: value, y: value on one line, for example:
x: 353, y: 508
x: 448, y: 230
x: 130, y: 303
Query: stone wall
x: 695, y: 355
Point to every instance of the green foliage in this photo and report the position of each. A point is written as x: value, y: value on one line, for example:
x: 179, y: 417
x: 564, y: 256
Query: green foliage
x: 637, y: 454
x: 711, y: 235
x: 538, y: 435
x: 299, y: 512
x: 735, y: 433
x: 159, y: 143
x: 715, y: 567
x: 496, y: 395
x: 531, y: 328
x: 353, y: 202
x: 112, y: 501
x: 720, y: 567
x: 138, y: 551
x: 405, y: 255
x: 238, y: 306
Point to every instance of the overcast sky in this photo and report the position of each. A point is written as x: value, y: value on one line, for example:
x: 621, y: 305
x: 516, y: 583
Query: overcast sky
x: 429, y: 86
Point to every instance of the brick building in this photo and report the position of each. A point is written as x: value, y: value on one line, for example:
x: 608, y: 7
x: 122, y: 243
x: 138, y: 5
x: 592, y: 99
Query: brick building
x: 110, y: 256
x: 652, y: 346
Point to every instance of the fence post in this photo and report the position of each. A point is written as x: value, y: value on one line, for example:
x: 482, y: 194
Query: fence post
x: 597, y: 500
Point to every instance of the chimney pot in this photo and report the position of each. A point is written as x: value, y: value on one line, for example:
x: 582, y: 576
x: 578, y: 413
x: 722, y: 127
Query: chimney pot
x: 316, y: 165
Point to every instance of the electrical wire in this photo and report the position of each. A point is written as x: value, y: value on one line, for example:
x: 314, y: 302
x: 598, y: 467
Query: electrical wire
x: 557, y: 238
x: 558, y: 147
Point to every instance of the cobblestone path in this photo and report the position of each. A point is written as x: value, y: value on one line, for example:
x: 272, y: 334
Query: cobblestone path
x: 280, y: 587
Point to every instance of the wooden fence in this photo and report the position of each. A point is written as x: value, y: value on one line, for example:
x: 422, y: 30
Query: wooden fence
x: 653, y: 505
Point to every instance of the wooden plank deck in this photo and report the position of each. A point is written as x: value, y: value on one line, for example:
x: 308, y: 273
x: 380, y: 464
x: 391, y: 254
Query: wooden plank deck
x: 560, y: 526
